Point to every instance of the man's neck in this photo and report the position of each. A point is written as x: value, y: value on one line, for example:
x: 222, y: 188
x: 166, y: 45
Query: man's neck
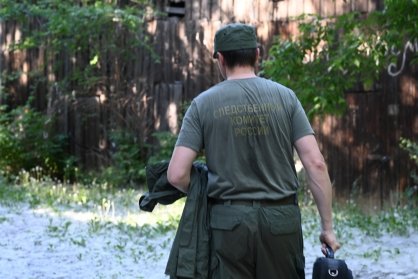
x: 240, y: 73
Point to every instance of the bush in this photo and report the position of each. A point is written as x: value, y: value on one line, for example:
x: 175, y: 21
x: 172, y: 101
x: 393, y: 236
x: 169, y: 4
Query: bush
x: 26, y: 144
x: 163, y: 150
x: 331, y: 56
x: 127, y: 161
x: 412, y: 149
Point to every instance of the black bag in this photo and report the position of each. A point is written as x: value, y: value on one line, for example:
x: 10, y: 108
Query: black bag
x: 329, y: 268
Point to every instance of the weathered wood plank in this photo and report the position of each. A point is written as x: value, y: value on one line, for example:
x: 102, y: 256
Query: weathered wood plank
x: 282, y: 10
x: 342, y: 6
x: 328, y: 8
x: 227, y: 11
x: 294, y: 8
x: 243, y: 10
x: 361, y: 6
x: 205, y: 9
x: 309, y: 7
x: 174, y: 106
x: 215, y: 14
x: 195, y: 9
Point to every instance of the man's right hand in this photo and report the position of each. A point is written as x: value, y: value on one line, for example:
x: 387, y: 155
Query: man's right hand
x: 329, y: 238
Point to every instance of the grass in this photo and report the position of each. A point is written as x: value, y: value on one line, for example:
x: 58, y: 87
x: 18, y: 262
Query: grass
x: 399, y: 220
x: 396, y: 221
x: 108, y: 203
x: 102, y: 209
x: 107, y: 209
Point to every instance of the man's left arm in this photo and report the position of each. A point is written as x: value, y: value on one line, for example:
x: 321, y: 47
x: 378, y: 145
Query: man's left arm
x: 179, y: 169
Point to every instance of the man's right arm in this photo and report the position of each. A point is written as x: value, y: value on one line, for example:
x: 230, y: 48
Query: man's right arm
x: 320, y: 185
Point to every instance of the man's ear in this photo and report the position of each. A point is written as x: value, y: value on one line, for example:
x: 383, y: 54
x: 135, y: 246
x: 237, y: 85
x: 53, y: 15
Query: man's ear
x: 220, y: 57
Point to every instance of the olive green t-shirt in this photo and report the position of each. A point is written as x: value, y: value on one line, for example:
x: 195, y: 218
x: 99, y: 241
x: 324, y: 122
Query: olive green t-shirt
x: 247, y: 128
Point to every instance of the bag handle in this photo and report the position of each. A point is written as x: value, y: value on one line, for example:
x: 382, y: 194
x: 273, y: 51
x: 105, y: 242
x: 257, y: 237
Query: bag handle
x: 329, y: 252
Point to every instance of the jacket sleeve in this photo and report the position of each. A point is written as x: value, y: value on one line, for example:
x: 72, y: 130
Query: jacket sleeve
x: 159, y: 189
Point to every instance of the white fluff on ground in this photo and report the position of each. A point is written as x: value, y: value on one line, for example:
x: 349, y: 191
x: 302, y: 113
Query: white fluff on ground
x: 43, y: 243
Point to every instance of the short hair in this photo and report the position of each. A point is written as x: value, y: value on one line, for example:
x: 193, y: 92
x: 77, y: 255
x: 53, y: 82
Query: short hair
x: 241, y: 57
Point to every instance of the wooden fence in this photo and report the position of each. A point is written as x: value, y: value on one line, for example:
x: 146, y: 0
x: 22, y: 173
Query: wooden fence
x: 361, y: 147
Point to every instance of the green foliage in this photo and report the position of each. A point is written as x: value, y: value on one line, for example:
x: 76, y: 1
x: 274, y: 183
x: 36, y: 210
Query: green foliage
x: 54, y: 194
x: 128, y: 161
x: 25, y: 144
x: 75, y: 26
x: 412, y: 149
x: 58, y: 230
x: 164, y: 148
x: 81, y: 37
x: 399, y: 21
x: 95, y: 31
x: 334, y: 55
x: 398, y: 221
x: 10, y: 194
x: 327, y: 59
x: 101, y: 199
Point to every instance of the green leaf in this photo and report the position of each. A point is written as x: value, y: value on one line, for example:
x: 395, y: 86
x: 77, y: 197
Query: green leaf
x: 94, y: 60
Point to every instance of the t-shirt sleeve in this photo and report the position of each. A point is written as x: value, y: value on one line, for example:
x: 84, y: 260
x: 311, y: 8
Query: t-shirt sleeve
x: 191, y: 134
x: 300, y: 122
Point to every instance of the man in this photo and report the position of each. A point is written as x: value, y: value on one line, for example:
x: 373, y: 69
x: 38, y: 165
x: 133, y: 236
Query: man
x: 248, y: 127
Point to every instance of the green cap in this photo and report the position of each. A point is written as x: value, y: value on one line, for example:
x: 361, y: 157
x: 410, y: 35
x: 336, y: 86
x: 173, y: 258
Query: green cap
x: 235, y: 36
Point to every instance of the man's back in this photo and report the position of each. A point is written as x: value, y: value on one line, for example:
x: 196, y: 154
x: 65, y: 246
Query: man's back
x: 247, y: 128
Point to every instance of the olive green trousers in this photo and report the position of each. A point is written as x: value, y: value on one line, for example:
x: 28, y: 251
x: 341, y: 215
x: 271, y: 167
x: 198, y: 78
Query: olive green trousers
x: 250, y: 241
